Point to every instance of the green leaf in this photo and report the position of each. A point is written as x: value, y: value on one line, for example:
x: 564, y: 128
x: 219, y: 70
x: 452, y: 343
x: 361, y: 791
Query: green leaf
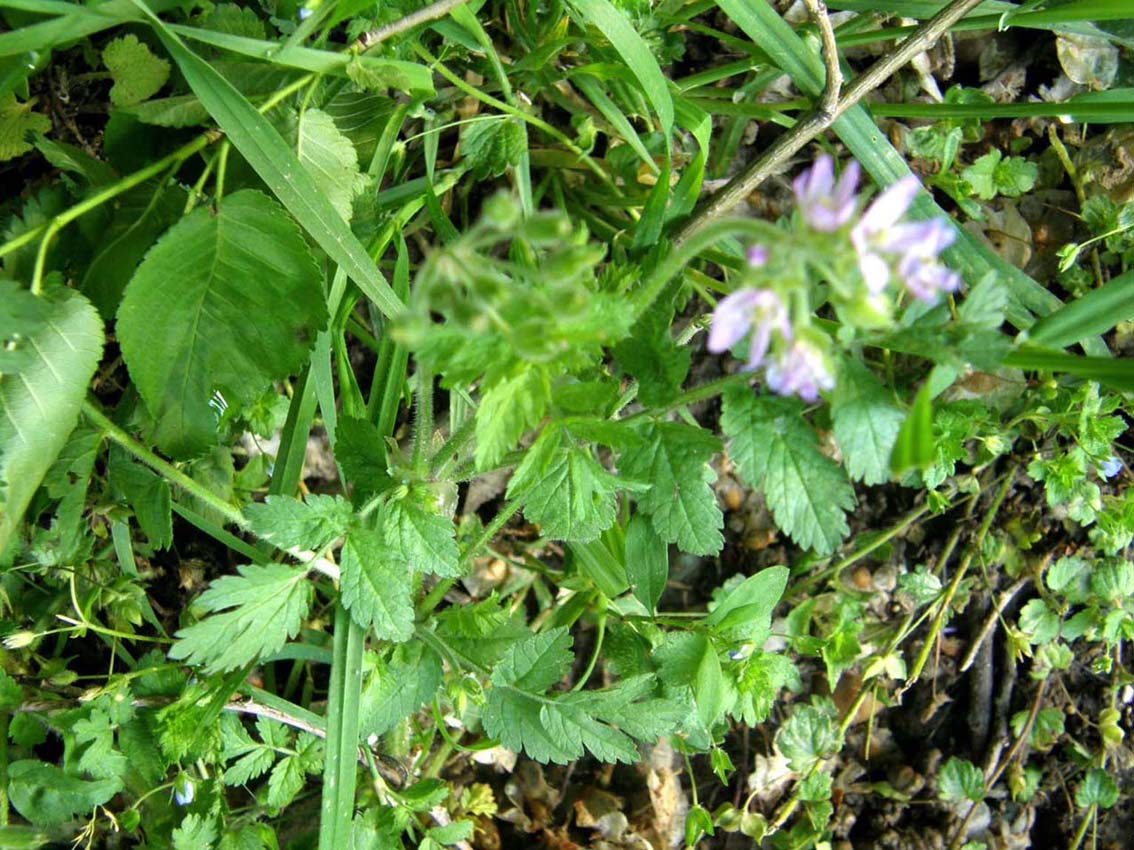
x: 674, y: 459
x: 1094, y: 313
x: 420, y: 536
x: 252, y: 758
x: 689, y: 660
x: 657, y: 362
x: 46, y: 796
x: 808, y: 736
x: 39, y: 406
x: 310, y: 524
x: 194, y: 833
x: 960, y: 779
x: 914, y: 447
x: 515, y: 720
x: 289, y: 774
x: 506, y: 411
x: 745, y: 613
x: 489, y: 147
x: 1038, y: 622
x: 17, y: 121
x: 778, y: 452
x: 22, y: 314
x: 564, y: 489
x: 615, y: 25
x: 330, y: 158
x: 245, y: 311
x: 398, y: 687
x: 647, y: 562
x: 269, y: 155
x: 990, y: 175
x: 11, y: 695
x: 148, y: 495
x: 267, y: 604
x: 537, y: 663
x: 136, y: 72
x: 574, y: 728
x: 361, y: 454
x: 376, y: 586
x: 1097, y: 789
x: 866, y: 423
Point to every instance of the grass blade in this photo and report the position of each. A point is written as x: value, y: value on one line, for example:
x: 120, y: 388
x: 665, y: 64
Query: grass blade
x: 1095, y: 313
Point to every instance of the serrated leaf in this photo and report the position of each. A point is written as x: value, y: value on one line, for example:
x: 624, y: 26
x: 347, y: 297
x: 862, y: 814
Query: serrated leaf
x: 266, y: 606
x: 310, y: 524
x: 574, y: 728
x: 361, y: 454
x: 195, y: 832
x: 808, y: 736
x: 778, y: 452
x: 22, y: 314
x: 17, y: 121
x: 506, y: 411
x: 647, y: 562
x: 674, y: 459
x: 330, y: 158
x: 537, y: 663
x: 1097, y: 789
x: 399, y: 687
x: 136, y: 72
x: 235, y: 20
x: 420, y: 536
x: 514, y: 720
x: 376, y: 586
x: 488, y: 147
x: 564, y: 489
x: 147, y: 494
x: 285, y: 781
x: 689, y: 660
x: 960, y: 779
x: 866, y: 423
x: 245, y: 311
x: 39, y: 406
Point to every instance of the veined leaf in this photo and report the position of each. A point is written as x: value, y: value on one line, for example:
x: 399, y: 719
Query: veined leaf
x: 39, y: 405
x: 245, y: 311
x: 16, y: 122
x: 675, y: 460
x: 376, y: 586
x: 537, y: 663
x: 647, y: 561
x: 331, y: 159
x: 136, y: 72
x: 399, y: 687
x: 778, y: 452
x: 266, y: 151
x: 420, y: 536
x: 265, y: 606
x: 565, y: 490
x: 310, y: 524
x: 866, y: 422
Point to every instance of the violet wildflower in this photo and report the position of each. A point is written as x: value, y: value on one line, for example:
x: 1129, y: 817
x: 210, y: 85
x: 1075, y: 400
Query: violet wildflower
x: 800, y: 370
x: 760, y: 311
x: 826, y: 205
x: 874, y: 234
x: 757, y: 256
x: 183, y: 793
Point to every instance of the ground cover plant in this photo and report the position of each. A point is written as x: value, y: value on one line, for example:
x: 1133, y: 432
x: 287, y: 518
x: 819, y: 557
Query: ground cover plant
x: 597, y: 423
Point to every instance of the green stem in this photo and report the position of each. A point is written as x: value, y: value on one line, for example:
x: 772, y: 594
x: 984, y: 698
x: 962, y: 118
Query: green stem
x: 601, y: 633
x: 5, y: 717
x: 340, y: 774
x: 422, y: 420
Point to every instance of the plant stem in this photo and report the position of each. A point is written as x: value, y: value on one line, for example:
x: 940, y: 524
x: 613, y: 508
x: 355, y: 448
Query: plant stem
x: 340, y: 772
x: 432, y: 12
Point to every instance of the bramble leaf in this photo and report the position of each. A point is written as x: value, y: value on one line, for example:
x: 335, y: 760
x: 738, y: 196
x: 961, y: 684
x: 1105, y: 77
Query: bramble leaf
x: 136, y: 72
x: 266, y: 605
x: 674, y: 460
x: 196, y: 831
x: 39, y: 406
x: 777, y: 452
x: 376, y: 585
x: 245, y: 311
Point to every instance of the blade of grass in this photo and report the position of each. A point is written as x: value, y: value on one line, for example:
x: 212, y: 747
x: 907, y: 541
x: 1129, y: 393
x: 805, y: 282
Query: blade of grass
x: 1116, y: 373
x: 1094, y: 313
x: 340, y: 771
x: 278, y: 166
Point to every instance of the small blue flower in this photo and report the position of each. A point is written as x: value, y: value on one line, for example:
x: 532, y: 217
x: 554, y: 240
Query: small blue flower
x: 184, y: 794
x: 304, y: 13
x: 1110, y: 467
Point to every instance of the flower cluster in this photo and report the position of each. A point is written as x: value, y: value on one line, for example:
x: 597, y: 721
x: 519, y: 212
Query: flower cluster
x: 861, y: 259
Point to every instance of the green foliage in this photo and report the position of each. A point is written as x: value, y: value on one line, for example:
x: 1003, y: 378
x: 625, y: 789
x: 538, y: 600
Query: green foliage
x: 235, y: 267
x: 777, y: 452
x: 489, y: 147
x: 137, y: 73
x: 866, y: 422
x: 47, y: 796
x: 330, y: 158
x: 17, y: 122
x: 993, y: 174
x: 265, y: 606
x: 674, y: 459
x: 41, y: 402
x: 960, y: 779
x: 376, y: 585
x: 1097, y: 789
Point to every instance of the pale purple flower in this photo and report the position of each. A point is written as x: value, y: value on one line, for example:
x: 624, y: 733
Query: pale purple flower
x: 1110, y: 467
x: 800, y: 370
x: 875, y: 232
x: 184, y: 793
x: 824, y: 204
x: 927, y: 278
x: 757, y: 256
x: 760, y: 311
